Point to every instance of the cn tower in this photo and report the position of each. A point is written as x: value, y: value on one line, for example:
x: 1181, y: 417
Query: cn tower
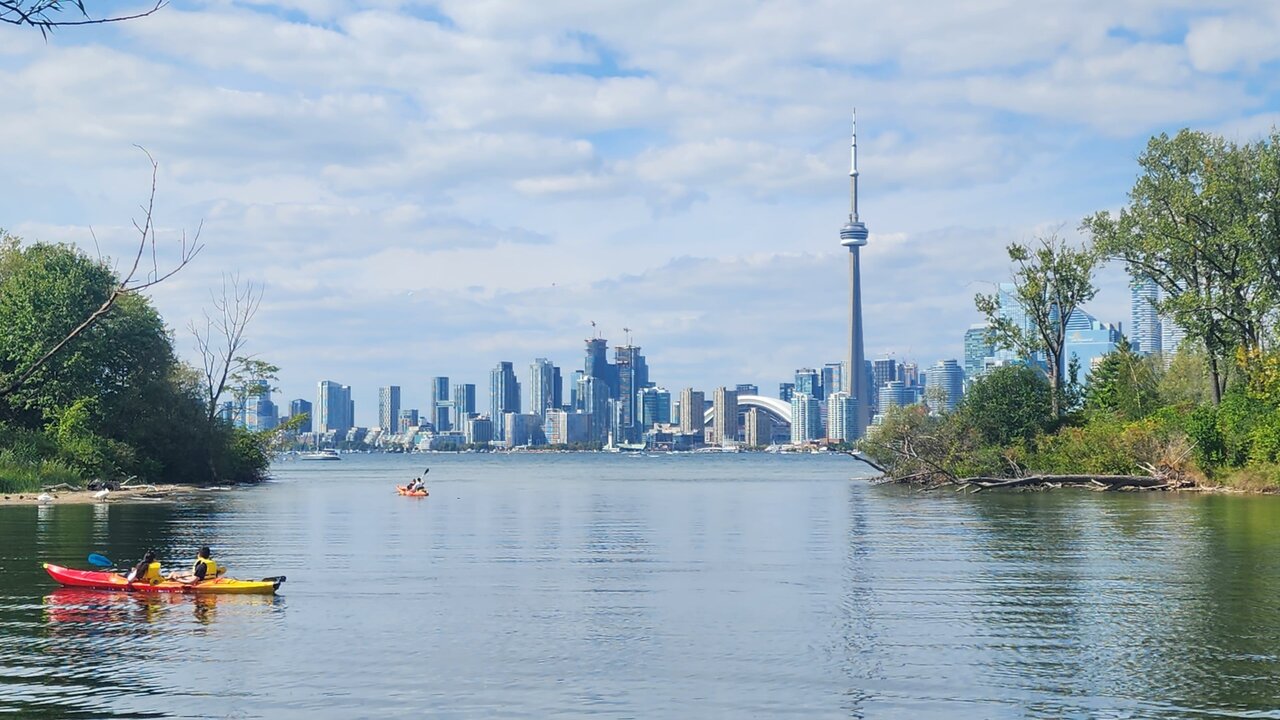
x: 853, y: 236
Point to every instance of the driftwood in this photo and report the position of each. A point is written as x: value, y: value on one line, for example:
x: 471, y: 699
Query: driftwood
x: 59, y: 486
x: 1158, y: 480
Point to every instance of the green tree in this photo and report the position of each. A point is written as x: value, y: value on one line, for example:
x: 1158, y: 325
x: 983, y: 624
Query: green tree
x: 1124, y: 384
x: 1009, y: 404
x: 1196, y: 225
x: 1050, y: 281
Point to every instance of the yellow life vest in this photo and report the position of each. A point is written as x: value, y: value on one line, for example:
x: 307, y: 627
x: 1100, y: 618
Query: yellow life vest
x: 152, y: 574
x: 210, y: 567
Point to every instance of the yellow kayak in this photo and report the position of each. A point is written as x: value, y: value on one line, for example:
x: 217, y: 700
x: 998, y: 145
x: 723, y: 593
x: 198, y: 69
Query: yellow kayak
x: 68, y: 577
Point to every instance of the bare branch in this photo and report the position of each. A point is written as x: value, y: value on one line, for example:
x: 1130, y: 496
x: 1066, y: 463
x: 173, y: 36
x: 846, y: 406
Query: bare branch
x: 44, y: 15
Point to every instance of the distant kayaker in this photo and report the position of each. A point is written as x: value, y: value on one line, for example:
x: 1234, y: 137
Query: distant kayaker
x: 205, y: 567
x: 415, y: 485
x: 147, y: 571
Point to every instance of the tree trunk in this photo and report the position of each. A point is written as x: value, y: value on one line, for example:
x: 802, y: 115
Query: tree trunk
x: 1214, y: 376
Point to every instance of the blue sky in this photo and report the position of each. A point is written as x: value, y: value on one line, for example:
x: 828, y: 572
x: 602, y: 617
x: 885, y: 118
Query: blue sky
x: 427, y: 189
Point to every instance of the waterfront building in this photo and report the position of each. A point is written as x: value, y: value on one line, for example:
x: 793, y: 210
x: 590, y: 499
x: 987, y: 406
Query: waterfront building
x: 542, y: 381
x: 463, y: 405
x: 440, y: 409
x: 806, y: 418
x: 725, y: 426
x: 758, y: 431
x: 854, y: 236
x: 302, y: 407
x: 1144, y: 318
x: 407, y: 419
x: 633, y: 374
x: 567, y: 428
x: 597, y: 365
x: 479, y: 430
x: 504, y: 396
x: 593, y: 394
x: 692, y: 412
x: 786, y: 390
x: 841, y: 415
x: 977, y: 350
x: 654, y: 407
x: 388, y: 407
x: 334, y: 408
x: 522, y: 430
x: 945, y: 386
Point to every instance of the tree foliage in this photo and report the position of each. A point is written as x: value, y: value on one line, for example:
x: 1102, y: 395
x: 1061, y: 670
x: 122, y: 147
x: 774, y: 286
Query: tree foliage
x: 1008, y: 404
x: 1051, y: 279
x: 1124, y: 384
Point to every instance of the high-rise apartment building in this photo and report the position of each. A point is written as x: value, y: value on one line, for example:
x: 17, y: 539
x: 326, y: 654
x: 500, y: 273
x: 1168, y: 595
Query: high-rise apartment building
x: 593, y: 394
x: 832, y: 379
x: 841, y: 409
x: 977, y: 350
x: 692, y: 412
x: 388, y: 408
x: 504, y: 397
x: 747, y: 389
x: 724, y: 430
x: 758, y: 430
x: 440, y: 409
x: 334, y: 408
x: 806, y: 420
x: 408, y: 418
x: 944, y: 386
x: 633, y: 374
x: 1144, y: 318
x: 543, y: 375
x: 895, y: 393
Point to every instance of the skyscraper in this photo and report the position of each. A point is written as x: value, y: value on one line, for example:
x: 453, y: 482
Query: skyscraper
x: 408, y: 418
x: 840, y: 410
x: 653, y: 407
x: 747, y: 389
x: 542, y: 382
x: 786, y: 390
x: 692, y: 414
x: 504, y: 397
x: 806, y: 423
x: 1144, y: 319
x: 463, y: 404
x: 593, y: 394
x: 832, y: 379
x: 597, y: 364
x: 334, y: 408
x: 808, y: 381
x: 633, y: 374
x: 977, y: 348
x: 724, y: 431
x: 438, y: 414
x: 945, y: 383
x: 388, y: 408
x: 759, y: 428
x: 299, y: 407
x: 853, y: 236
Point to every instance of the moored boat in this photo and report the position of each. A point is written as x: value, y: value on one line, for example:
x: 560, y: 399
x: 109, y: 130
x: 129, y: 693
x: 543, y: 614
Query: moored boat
x: 68, y: 577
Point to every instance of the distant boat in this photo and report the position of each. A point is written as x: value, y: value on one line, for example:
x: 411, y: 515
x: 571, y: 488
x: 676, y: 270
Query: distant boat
x: 329, y: 454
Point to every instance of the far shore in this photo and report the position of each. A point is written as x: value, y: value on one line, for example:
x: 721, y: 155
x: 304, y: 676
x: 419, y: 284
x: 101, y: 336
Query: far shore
x: 145, y: 493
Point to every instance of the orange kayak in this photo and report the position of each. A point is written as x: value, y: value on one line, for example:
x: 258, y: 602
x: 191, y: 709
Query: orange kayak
x: 404, y: 490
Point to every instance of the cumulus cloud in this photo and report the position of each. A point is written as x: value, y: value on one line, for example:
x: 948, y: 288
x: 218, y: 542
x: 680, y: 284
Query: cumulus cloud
x: 428, y: 189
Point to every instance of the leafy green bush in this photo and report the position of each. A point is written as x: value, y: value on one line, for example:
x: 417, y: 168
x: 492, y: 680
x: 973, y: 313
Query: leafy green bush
x: 1009, y: 404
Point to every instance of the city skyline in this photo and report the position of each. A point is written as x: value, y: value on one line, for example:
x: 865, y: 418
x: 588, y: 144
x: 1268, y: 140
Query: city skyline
x: 420, y: 187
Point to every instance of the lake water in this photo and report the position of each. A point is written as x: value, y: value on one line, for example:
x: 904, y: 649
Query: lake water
x: 694, y: 586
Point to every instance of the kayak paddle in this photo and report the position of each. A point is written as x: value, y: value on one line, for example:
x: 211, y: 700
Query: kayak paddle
x: 101, y: 561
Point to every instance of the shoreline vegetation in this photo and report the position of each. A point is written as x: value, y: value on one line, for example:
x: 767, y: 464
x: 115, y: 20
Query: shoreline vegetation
x: 92, y: 393
x: 1202, y: 225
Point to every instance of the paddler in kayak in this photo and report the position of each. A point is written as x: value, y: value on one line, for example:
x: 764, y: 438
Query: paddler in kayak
x: 205, y: 567
x: 147, y: 571
x: 414, y: 485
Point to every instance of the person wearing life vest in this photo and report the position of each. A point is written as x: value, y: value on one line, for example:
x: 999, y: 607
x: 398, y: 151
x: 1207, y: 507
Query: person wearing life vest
x: 147, y: 571
x: 205, y: 567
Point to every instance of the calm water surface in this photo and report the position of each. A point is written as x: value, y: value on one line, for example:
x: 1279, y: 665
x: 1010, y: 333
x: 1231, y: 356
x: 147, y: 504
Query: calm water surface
x: 643, y: 587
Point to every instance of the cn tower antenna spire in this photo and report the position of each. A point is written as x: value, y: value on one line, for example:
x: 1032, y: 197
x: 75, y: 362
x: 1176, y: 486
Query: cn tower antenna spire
x: 853, y: 169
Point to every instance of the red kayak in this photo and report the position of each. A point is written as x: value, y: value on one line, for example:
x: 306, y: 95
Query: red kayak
x: 115, y: 581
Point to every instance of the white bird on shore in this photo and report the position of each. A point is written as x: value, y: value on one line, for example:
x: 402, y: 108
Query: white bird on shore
x: 102, y: 494
x: 44, y: 498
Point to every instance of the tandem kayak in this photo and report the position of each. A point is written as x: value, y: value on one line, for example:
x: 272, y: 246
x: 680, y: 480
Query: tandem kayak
x: 404, y: 490
x: 115, y: 581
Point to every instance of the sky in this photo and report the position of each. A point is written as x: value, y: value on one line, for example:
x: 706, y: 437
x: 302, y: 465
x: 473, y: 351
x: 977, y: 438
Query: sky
x: 426, y: 189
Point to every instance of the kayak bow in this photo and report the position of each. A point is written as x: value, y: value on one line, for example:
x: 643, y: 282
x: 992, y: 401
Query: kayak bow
x: 68, y: 577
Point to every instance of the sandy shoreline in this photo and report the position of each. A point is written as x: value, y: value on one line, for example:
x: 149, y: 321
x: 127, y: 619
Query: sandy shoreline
x: 147, y: 493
